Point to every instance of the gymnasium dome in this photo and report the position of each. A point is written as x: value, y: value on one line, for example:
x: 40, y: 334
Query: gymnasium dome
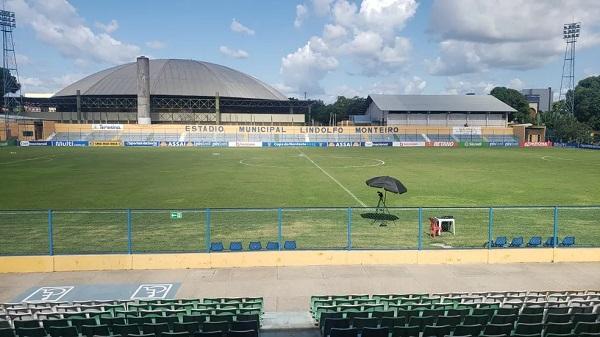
x: 174, y: 77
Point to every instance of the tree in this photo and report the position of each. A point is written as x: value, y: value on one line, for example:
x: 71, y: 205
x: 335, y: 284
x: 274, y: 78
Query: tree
x: 587, y: 101
x: 564, y: 127
x: 342, y: 108
x: 516, y: 101
x: 12, y: 85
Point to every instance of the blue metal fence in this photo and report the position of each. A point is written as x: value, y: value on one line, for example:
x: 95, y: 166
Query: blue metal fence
x: 130, y: 231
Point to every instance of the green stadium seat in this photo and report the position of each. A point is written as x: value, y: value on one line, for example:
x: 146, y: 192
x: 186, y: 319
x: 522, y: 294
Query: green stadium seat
x: 391, y: 322
x: 406, y: 331
x: 63, y: 331
x: 375, y: 332
x: 436, y: 331
x: 125, y: 330
x: 335, y: 332
x: 94, y: 330
x: 190, y: 327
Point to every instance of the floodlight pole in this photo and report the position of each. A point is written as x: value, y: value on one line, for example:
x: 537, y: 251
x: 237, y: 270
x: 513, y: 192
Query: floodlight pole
x: 9, y: 63
x: 571, y: 32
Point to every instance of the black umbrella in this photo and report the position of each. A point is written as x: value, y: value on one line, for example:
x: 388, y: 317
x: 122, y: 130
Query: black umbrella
x: 388, y: 183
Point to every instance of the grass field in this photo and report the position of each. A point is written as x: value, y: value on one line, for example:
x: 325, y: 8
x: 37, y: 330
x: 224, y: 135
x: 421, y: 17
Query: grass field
x: 185, y: 178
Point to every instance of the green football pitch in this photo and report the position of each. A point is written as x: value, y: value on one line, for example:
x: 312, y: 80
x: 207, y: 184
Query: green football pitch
x: 67, y: 179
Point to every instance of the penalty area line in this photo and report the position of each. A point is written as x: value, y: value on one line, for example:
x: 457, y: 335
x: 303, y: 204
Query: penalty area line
x: 332, y: 178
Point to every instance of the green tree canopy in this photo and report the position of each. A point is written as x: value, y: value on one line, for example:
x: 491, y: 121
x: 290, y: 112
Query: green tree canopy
x: 12, y: 85
x: 587, y: 101
x: 342, y: 108
x: 517, y: 101
x: 564, y: 127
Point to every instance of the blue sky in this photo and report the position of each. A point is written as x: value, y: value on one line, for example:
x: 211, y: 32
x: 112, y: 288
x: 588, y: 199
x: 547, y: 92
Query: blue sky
x: 322, y: 47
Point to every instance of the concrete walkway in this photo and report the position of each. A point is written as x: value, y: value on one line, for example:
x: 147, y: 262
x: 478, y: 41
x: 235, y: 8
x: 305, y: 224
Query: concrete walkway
x: 288, y: 289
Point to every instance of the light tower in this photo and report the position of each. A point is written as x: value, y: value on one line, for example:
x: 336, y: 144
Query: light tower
x: 9, y: 63
x: 567, y: 82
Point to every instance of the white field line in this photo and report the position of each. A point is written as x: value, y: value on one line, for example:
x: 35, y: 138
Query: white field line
x: 332, y: 178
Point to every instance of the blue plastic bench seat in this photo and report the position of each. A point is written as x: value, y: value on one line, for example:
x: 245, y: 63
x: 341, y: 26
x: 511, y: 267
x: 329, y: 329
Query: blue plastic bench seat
x: 272, y: 245
x: 500, y: 241
x: 254, y: 245
x: 549, y: 242
x: 216, y: 246
x: 568, y: 241
x: 235, y: 246
x: 289, y: 245
x: 516, y: 242
x: 535, y: 241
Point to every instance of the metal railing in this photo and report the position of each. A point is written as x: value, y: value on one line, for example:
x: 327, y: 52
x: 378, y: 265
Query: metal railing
x: 130, y: 231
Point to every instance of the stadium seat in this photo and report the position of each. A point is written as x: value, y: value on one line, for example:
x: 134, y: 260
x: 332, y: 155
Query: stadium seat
x: 362, y: 322
x: 242, y: 333
x: 94, y: 330
x: 222, y: 326
x: 549, y: 242
x: 208, y: 334
x: 254, y: 245
x: 406, y: 331
x: 176, y: 334
x: 31, y: 332
x: 589, y: 327
x: 216, y: 246
x: 331, y: 323
x: 529, y: 328
x: 391, y: 322
x: 559, y: 328
x: 535, y: 241
x: 190, y: 327
x: 26, y: 324
x: 516, y: 242
x: 468, y: 330
x: 63, y: 331
x: 244, y: 325
x: 271, y: 245
x: 343, y: 332
x: 235, y: 246
x: 125, y: 329
x: 375, y: 332
x: 289, y: 245
x: 436, y: 331
x: 500, y: 241
x: 7, y: 332
x: 568, y: 241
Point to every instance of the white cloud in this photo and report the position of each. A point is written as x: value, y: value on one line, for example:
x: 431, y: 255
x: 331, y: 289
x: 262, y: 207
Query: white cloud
x: 303, y: 69
x: 477, y: 35
x: 367, y: 36
x: 415, y: 86
x: 235, y: 53
x: 108, y: 28
x: 155, y: 44
x: 237, y: 27
x: 48, y: 85
x: 22, y: 59
x: 57, y: 23
x: 321, y: 7
x: 516, y: 83
x: 460, y: 85
x: 301, y: 15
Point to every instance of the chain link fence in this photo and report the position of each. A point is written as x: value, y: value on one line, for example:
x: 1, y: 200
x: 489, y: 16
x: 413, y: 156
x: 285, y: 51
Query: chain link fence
x: 131, y: 231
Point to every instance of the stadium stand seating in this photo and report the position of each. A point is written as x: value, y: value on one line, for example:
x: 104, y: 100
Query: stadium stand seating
x: 160, y: 318
x: 469, y: 138
x: 501, y: 138
x: 512, y: 313
x: 441, y: 138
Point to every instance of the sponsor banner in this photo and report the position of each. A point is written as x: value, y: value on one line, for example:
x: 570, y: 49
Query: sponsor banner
x: 140, y: 143
x: 589, y: 146
x: 287, y: 144
x: 474, y: 144
x: 107, y: 126
x: 33, y: 143
x: 343, y: 144
x: 245, y: 144
x: 568, y: 145
x: 176, y: 144
x: 408, y: 144
x: 211, y: 144
x: 503, y: 144
x: 537, y: 144
x: 3, y: 144
x: 441, y: 144
x: 105, y: 143
x: 377, y: 144
x: 466, y: 131
x: 69, y: 143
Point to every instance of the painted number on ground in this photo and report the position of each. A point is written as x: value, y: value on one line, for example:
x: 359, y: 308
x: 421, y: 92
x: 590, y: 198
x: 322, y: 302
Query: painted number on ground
x: 48, y: 294
x: 152, y: 291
